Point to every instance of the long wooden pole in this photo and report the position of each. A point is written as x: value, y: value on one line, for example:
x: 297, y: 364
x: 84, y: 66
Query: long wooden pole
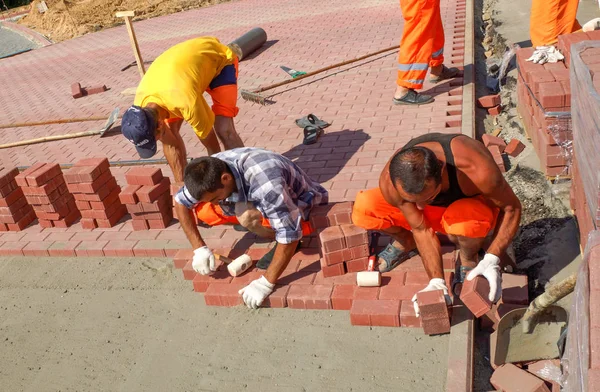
x: 127, y: 15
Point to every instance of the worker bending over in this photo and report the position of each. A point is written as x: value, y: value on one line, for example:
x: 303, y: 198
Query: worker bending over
x: 261, y: 190
x: 171, y: 92
x: 421, y: 47
x: 449, y: 184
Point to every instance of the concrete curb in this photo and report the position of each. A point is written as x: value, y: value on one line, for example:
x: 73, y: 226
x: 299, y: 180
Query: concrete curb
x: 468, y: 94
x: 460, y: 351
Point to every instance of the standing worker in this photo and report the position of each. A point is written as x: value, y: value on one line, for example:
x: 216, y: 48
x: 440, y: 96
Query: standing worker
x: 445, y: 183
x: 171, y: 92
x: 548, y: 20
x: 422, y: 46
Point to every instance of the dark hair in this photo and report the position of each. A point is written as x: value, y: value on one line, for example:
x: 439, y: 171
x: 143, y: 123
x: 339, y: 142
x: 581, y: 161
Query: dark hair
x: 203, y: 175
x: 413, y: 167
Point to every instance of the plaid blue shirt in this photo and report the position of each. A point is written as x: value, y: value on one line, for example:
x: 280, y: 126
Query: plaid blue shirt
x: 277, y: 187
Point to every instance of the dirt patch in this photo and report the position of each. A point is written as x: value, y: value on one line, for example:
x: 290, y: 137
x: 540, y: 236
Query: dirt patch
x: 69, y: 19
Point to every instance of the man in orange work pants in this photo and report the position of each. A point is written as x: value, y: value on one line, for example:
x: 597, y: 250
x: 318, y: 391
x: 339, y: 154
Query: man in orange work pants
x: 422, y: 46
x: 444, y: 183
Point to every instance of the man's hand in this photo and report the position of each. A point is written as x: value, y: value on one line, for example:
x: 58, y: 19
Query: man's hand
x: 545, y: 54
x: 434, y: 284
x: 203, y: 261
x: 255, y: 293
x: 489, y: 268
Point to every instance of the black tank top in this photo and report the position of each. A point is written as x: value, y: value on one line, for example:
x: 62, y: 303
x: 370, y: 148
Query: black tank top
x: 454, y: 193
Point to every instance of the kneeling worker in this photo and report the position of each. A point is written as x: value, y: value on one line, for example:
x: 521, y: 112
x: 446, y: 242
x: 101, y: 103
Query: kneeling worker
x: 261, y: 190
x: 171, y: 92
x: 449, y: 184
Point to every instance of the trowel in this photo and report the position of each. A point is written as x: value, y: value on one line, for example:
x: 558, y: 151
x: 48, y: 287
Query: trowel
x: 532, y: 333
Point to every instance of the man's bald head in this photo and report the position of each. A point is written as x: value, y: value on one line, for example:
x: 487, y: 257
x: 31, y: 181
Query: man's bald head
x: 414, y: 168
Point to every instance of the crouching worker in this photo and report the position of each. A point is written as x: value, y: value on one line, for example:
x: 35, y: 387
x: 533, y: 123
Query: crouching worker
x: 263, y: 191
x: 447, y: 184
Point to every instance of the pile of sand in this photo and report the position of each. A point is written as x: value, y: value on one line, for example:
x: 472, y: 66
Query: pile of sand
x: 69, y: 19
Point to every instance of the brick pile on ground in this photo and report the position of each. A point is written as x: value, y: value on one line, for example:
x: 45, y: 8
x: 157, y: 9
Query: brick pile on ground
x: 147, y: 198
x: 15, y: 213
x: 45, y: 189
x: 96, y: 193
x: 544, y: 103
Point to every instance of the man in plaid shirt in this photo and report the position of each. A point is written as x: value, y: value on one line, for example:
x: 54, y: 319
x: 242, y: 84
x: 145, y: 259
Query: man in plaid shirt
x: 263, y: 191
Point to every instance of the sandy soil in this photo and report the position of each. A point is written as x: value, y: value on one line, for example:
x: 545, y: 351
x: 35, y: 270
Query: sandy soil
x: 94, y: 324
x: 69, y: 19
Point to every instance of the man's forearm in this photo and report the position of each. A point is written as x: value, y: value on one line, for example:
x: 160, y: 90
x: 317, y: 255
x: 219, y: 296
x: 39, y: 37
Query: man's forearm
x: 430, y: 250
x: 281, y: 259
x: 506, y: 229
x: 186, y: 220
x: 176, y: 157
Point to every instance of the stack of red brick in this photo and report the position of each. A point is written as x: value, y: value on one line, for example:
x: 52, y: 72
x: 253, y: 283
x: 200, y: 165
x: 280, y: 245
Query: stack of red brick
x: 148, y: 198
x: 15, y: 213
x: 593, y: 261
x: 96, y: 193
x: 45, y: 189
x: 585, y: 187
x: 344, y: 247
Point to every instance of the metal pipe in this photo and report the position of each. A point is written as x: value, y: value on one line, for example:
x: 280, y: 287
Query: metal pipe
x: 138, y: 162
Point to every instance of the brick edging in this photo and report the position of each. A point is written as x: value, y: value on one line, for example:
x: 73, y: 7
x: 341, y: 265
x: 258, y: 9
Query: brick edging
x: 468, y: 93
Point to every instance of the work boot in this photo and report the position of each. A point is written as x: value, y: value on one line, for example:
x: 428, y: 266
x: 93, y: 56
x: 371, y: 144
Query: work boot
x: 413, y: 98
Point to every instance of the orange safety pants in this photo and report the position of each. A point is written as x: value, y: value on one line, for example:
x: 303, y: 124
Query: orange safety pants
x: 212, y: 215
x: 223, y: 90
x: 551, y: 18
x: 470, y: 217
x: 422, y: 44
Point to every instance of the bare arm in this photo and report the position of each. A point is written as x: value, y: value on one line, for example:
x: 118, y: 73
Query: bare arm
x: 427, y: 241
x: 188, y: 224
x: 281, y: 259
x: 174, y: 149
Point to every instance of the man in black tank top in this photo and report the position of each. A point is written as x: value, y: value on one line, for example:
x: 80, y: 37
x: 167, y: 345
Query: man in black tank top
x: 449, y: 184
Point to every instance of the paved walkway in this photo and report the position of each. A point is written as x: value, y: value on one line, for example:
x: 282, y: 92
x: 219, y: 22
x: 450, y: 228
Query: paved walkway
x: 366, y: 128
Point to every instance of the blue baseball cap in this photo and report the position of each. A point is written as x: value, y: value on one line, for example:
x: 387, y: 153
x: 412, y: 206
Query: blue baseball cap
x: 138, y: 126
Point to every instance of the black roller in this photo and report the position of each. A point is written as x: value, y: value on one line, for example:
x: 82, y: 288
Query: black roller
x: 249, y: 42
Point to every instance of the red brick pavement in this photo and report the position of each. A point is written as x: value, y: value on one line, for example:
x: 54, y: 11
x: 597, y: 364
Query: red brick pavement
x: 366, y: 127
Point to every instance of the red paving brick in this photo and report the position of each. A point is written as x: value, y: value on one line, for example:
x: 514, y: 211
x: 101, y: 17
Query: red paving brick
x: 366, y: 129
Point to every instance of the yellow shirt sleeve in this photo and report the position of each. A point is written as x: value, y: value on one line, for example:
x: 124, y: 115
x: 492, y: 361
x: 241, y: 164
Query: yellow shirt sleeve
x: 178, y: 77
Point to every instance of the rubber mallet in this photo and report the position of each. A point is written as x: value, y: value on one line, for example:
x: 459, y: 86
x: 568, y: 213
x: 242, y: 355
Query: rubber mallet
x: 370, y: 277
x: 237, y: 266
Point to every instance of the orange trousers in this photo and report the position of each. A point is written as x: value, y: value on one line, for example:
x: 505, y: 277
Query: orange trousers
x: 212, y: 215
x: 551, y: 18
x: 422, y: 44
x: 470, y: 217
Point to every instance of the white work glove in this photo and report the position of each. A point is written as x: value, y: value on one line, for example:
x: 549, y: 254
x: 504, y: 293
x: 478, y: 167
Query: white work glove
x: 489, y: 268
x: 203, y: 261
x: 434, y: 284
x: 255, y: 293
x: 545, y: 54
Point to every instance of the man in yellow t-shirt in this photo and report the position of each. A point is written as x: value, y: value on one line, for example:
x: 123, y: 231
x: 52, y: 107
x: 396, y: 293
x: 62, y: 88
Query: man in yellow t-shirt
x: 171, y: 92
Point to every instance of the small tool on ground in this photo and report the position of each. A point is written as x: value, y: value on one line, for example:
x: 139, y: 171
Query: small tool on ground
x: 109, y: 123
x: 255, y: 96
x: 532, y: 333
x: 371, y: 277
x: 292, y: 72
